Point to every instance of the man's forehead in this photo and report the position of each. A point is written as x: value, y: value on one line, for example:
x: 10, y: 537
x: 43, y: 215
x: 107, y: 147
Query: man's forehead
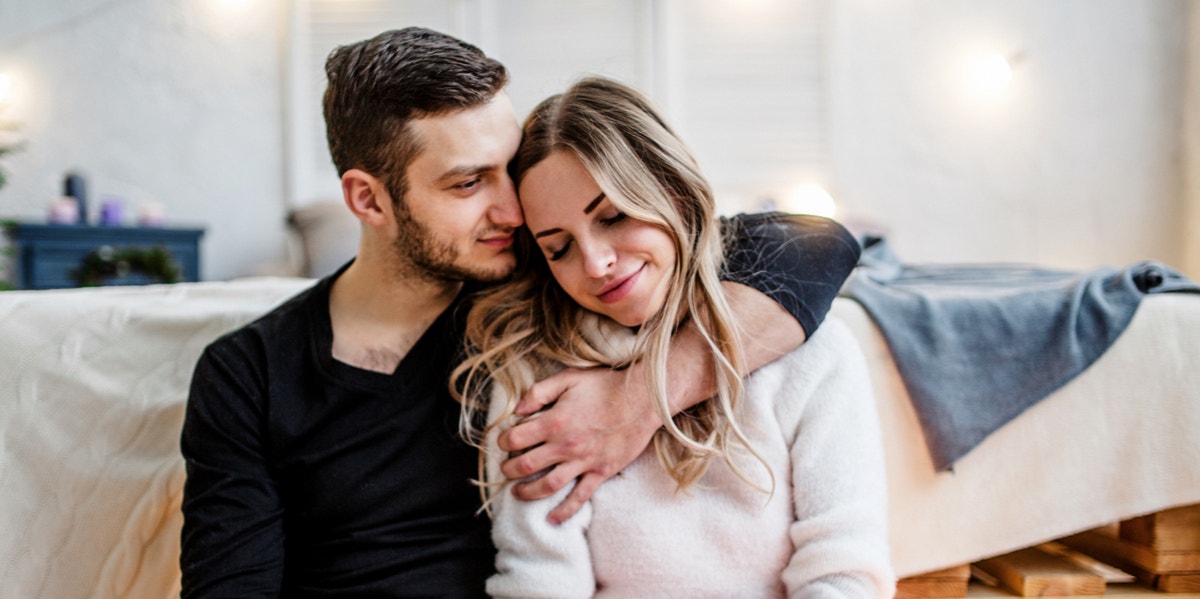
x: 481, y: 135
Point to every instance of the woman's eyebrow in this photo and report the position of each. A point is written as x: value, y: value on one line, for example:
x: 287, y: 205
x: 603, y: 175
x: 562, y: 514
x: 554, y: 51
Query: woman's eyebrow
x: 596, y: 202
x: 587, y: 210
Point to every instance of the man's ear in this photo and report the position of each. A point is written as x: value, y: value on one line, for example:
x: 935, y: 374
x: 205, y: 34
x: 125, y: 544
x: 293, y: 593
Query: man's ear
x: 367, y: 198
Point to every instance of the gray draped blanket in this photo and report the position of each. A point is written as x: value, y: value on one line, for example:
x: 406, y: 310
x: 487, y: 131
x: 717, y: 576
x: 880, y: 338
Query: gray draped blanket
x: 977, y: 345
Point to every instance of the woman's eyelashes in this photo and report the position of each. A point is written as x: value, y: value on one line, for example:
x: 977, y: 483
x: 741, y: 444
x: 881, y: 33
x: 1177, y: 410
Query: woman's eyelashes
x: 612, y: 220
x: 554, y: 255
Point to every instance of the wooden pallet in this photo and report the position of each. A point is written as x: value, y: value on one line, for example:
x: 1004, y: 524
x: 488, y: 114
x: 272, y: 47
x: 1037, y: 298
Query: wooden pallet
x: 1162, y: 550
x: 1176, y: 529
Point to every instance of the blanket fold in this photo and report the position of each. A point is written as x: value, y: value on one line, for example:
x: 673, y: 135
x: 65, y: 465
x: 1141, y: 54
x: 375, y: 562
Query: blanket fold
x: 977, y: 345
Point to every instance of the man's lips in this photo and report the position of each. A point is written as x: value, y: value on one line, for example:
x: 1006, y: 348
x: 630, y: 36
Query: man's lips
x: 498, y: 241
x: 619, y: 289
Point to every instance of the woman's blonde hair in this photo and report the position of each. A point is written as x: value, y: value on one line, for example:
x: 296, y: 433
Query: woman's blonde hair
x: 528, y: 326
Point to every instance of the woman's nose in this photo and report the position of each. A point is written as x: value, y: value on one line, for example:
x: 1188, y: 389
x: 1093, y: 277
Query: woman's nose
x: 598, y: 258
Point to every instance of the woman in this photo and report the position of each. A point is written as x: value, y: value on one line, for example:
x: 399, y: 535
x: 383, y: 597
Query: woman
x: 773, y: 487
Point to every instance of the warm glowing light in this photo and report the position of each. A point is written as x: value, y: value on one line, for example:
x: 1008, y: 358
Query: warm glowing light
x: 234, y: 18
x: 750, y: 5
x: 233, y: 5
x: 988, y: 75
x: 6, y: 86
x: 810, y: 198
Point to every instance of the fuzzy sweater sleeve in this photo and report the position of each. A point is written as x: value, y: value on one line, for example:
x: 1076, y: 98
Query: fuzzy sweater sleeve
x: 838, y: 476
x: 533, y: 557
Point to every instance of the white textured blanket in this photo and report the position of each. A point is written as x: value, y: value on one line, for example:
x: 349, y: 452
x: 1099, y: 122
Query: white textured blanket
x: 93, y: 385
x: 92, y: 391
x: 1120, y: 440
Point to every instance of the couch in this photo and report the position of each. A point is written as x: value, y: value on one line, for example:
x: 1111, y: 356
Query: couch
x: 94, y: 383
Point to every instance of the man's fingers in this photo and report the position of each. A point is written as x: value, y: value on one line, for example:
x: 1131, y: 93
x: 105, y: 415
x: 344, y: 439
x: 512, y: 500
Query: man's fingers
x: 523, y: 436
x: 542, y: 394
x: 579, y: 495
x: 529, y: 463
x: 545, y: 486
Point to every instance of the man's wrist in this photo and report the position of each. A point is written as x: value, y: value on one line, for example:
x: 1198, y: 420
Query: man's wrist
x: 643, y: 409
x: 689, y: 369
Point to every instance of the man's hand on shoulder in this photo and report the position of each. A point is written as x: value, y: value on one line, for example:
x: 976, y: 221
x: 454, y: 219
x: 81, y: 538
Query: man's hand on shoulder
x: 594, y: 426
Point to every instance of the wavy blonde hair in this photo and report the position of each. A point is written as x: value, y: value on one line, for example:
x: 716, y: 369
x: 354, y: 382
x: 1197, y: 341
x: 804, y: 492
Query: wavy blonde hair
x: 527, y: 327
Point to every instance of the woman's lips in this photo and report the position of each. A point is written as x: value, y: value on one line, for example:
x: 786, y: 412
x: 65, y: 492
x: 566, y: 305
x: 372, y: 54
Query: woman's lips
x: 621, y: 289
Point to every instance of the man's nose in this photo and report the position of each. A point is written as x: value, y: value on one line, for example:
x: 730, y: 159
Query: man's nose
x: 506, y: 210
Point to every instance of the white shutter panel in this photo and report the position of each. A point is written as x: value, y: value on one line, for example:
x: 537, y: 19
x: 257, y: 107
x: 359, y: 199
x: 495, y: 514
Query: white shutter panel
x: 750, y: 94
x: 742, y: 82
x: 317, y: 27
x: 548, y: 44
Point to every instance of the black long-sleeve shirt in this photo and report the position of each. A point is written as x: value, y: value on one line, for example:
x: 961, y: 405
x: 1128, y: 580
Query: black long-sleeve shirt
x: 307, y: 477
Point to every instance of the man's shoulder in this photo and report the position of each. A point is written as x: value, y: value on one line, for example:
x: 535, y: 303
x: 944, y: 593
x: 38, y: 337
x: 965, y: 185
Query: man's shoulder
x: 281, y: 325
x: 794, y: 224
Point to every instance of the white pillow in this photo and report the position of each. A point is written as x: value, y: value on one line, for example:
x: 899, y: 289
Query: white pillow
x: 329, y: 236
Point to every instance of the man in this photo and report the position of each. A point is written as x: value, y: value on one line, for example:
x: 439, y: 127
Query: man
x: 320, y: 440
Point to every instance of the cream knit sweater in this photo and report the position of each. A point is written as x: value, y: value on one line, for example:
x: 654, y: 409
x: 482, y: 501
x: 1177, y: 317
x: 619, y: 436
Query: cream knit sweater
x: 822, y: 533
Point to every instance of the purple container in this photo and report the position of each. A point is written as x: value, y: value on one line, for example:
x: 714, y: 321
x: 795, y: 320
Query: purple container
x: 111, y: 213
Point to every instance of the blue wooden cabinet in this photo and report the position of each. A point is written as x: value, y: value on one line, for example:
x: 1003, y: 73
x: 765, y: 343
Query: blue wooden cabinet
x: 47, y: 255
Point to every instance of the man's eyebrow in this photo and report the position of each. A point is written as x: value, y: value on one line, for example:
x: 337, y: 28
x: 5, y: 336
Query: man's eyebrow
x: 464, y: 171
x: 596, y: 202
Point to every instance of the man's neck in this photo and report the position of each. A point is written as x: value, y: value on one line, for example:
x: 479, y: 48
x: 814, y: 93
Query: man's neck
x: 378, y: 315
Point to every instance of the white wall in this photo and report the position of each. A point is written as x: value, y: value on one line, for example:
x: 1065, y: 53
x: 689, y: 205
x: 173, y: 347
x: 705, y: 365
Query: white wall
x: 171, y: 101
x: 1191, y: 146
x: 1076, y: 164
x: 741, y: 81
x: 1087, y: 160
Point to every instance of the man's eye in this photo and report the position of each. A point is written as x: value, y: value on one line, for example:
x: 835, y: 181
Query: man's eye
x: 472, y: 184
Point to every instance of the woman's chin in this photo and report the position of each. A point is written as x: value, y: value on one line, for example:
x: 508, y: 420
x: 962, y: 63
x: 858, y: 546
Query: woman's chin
x: 629, y: 318
x: 632, y: 323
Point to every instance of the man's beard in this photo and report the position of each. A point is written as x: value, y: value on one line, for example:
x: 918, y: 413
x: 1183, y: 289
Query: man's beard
x: 420, y: 253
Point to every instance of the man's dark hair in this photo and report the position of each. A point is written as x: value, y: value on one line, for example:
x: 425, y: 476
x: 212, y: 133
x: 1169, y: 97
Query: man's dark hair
x: 377, y: 86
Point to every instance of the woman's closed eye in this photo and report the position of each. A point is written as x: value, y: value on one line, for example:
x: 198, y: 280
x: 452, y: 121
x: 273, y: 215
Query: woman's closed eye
x: 553, y: 255
x: 612, y: 220
x: 607, y: 221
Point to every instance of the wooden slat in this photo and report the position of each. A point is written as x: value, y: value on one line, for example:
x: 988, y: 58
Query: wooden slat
x: 1033, y: 572
x: 947, y: 583
x: 1125, y: 554
x: 919, y: 588
x: 1173, y: 529
x: 1183, y: 582
x: 1110, y: 573
x: 1174, y: 583
x: 962, y: 572
x: 1105, y: 547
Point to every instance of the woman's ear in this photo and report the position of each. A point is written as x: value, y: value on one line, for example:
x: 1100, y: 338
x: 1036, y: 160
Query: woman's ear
x: 367, y: 198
